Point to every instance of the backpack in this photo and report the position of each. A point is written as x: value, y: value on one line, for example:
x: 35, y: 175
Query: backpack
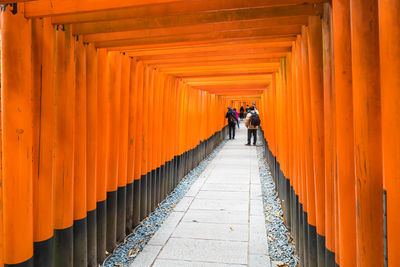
x: 255, y: 119
x: 232, y: 117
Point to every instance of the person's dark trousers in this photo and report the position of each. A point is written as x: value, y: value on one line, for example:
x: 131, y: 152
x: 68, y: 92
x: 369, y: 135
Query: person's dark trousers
x: 238, y: 123
x: 232, y: 127
x: 251, y: 132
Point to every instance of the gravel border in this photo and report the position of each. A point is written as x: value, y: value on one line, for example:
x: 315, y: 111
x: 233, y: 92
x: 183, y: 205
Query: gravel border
x: 134, y: 243
x: 280, y: 241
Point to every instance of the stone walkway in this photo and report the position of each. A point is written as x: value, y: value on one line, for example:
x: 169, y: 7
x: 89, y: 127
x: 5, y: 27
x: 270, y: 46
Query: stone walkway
x: 220, y: 221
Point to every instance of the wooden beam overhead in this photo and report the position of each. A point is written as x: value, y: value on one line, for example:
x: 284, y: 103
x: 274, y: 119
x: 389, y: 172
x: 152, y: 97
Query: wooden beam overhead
x: 209, y: 61
x: 233, y: 87
x: 200, y: 28
x: 212, y: 46
x: 238, y: 92
x: 238, y: 78
x: 222, y: 72
x: 45, y: 8
x: 219, y: 67
x: 153, y: 48
x: 227, y: 82
x: 217, y: 63
x: 258, y: 83
x: 2, y: 2
x: 217, y: 59
x: 173, y: 8
x: 290, y: 30
x: 197, y: 18
x: 226, y: 75
x: 257, y: 52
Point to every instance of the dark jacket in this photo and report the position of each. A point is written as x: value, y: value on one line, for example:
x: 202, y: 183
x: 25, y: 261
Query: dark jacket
x: 231, y: 114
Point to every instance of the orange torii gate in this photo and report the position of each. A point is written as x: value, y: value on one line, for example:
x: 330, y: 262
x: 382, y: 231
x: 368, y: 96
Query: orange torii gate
x: 106, y: 105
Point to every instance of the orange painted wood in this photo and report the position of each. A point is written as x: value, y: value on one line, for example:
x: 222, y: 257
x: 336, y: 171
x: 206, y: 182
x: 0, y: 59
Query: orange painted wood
x: 16, y: 94
x: 64, y: 128
x: 367, y: 131
x: 37, y: 37
x: 389, y: 33
x: 215, y: 58
x: 43, y: 8
x: 344, y: 132
x: 331, y: 233
x: 145, y: 121
x: 139, y: 165
x: 194, y: 44
x: 80, y: 134
x: 209, y: 46
x: 124, y: 121
x: 200, y: 18
x: 102, y: 125
x: 91, y: 125
x: 317, y: 117
x: 200, y: 28
x: 114, y: 82
x: 173, y: 8
x: 278, y: 31
x: 308, y: 158
x: 217, y: 63
x: 43, y: 86
x: 132, y: 123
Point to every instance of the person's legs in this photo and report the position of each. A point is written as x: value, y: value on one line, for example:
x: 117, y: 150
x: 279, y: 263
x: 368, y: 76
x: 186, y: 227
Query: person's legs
x: 230, y: 131
x: 248, y: 136
x: 233, y: 129
x: 255, y: 136
x: 238, y: 123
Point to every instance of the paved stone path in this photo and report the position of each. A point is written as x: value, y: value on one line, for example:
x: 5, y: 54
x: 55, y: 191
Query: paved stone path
x: 220, y: 221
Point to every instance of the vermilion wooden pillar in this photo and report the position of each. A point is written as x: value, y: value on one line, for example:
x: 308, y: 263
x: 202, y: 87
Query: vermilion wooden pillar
x: 64, y: 85
x: 317, y: 116
x: 113, y: 89
x: 389, y: 32
x: 16, y: 119
x: 102, y: 141
x: 43, y: 206
x: 329, y: 141
x: 123, y: 147
x: 301, y: 150
x: 132, y: 143
x: 92, y: 146
x: 139, y: 166
x: 344, y: 133
x: 367, y: 131
x: 80, y: 181
x: 145, y: 145
x: 311, y: 238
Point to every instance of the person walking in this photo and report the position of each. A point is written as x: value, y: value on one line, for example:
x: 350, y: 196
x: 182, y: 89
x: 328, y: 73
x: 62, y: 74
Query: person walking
x: 252, y: 122
x: 231, y: 116
x: 241, y: 112
x: 237, y: 116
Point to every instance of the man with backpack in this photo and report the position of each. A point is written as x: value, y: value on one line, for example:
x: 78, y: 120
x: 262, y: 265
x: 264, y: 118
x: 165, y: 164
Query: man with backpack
x: 231, y: 116
x: 252, y: 122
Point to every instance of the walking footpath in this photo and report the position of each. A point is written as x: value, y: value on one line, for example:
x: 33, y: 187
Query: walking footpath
x: 220, y: 221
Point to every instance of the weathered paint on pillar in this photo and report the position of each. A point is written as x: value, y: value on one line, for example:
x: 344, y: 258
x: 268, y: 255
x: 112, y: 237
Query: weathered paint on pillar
x: 344, y: 132
x: 389, y: 33
x: 16, y: 97
x: 367, y: 131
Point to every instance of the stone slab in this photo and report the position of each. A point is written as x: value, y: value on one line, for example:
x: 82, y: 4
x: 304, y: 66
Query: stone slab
x: 228, y: 252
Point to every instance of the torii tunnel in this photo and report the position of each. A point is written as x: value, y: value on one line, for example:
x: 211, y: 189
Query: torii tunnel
x: 106, y: 105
